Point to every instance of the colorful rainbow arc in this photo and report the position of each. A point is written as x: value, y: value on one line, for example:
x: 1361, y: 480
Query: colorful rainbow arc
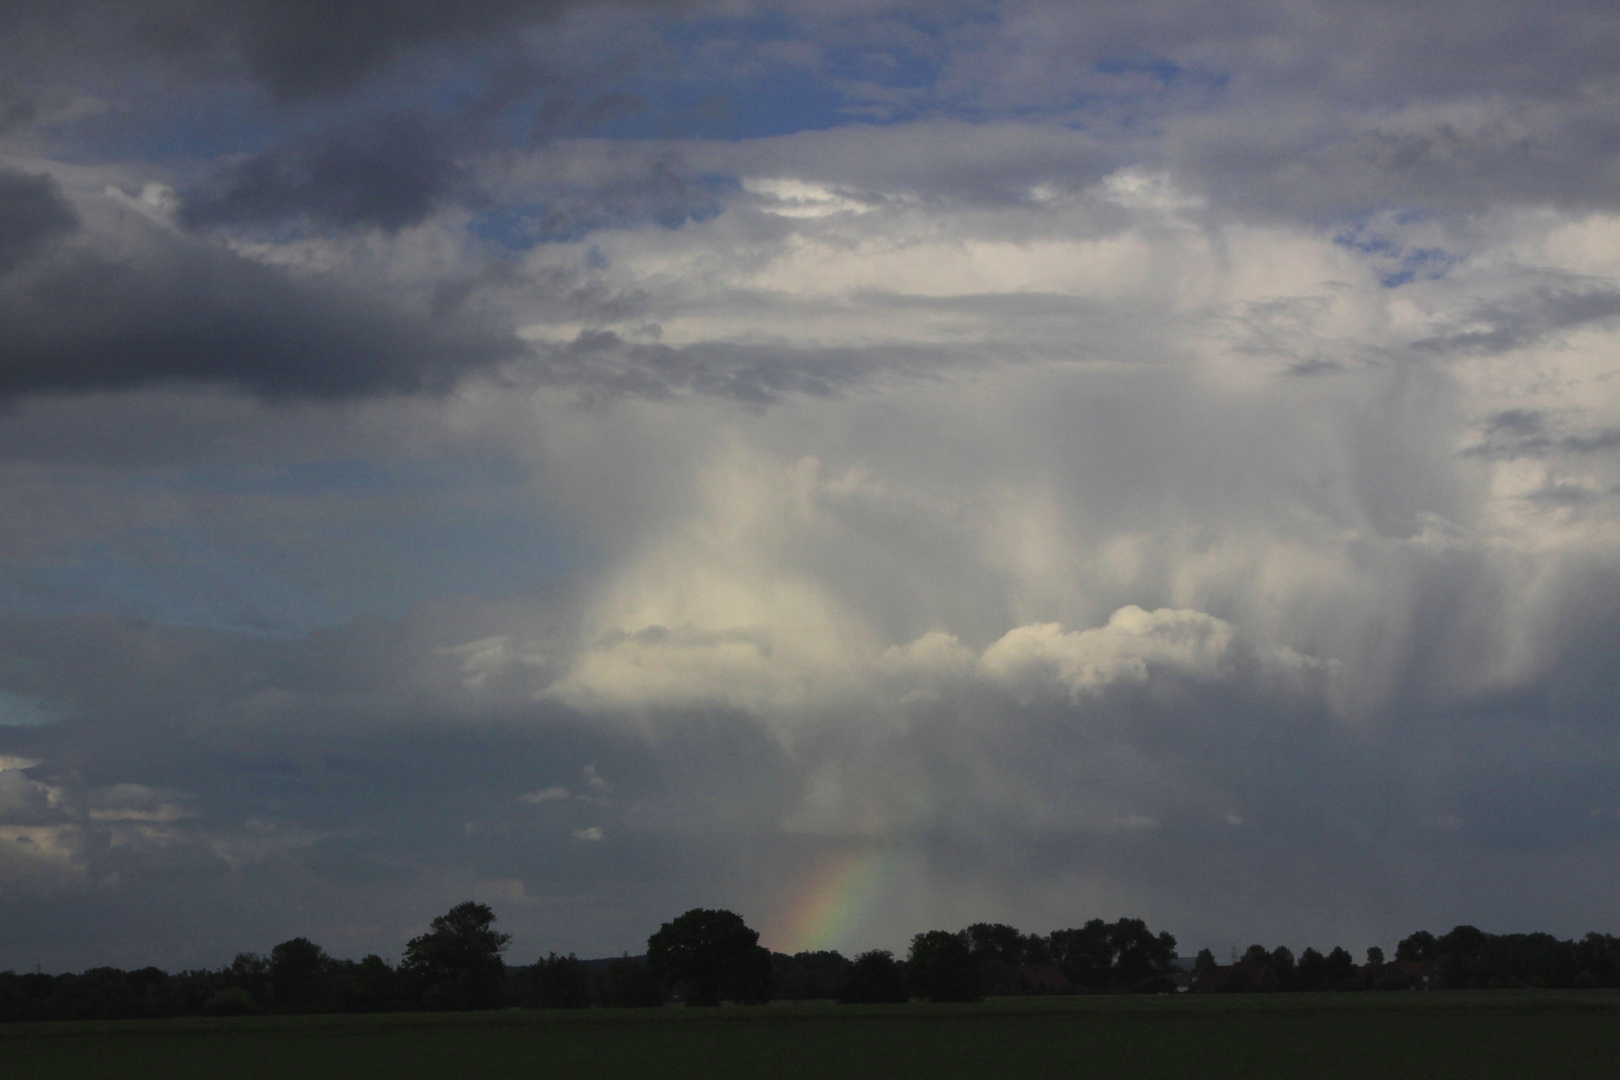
x: 832, y: 903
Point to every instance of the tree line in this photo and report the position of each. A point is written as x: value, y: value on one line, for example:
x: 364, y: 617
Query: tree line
x: 705, y: 956
x: 1465, y: 958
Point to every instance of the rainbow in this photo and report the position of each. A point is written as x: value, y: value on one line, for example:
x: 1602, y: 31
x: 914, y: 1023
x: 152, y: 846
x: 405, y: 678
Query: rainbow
x: 831, y: 903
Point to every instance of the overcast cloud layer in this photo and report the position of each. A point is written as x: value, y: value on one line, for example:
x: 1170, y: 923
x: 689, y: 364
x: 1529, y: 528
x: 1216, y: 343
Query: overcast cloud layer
x: 1023, y: 461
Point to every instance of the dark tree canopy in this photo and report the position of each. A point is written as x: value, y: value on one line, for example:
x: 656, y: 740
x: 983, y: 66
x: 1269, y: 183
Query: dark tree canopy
x: 1311, y: 971
x: 1340, y: 967
x: 297, y: 973
x: 875, y: 977
x: 1418, y: 947
x: 714, y: 954
x: 940, y: 967
x: 808, y: 975
x: 1282, y: 962
x: 995, y: 942
x: 457, y: 963
x: 559, y: 982
x: 1123, y: 955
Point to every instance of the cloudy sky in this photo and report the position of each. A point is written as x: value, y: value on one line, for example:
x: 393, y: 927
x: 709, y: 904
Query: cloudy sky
x: 871, y: 466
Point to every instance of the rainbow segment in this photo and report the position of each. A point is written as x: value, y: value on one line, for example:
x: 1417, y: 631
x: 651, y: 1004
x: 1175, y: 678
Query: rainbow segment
x: 831, y: 903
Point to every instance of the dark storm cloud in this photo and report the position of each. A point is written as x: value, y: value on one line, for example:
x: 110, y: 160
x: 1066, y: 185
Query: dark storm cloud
x: 388, y: 175
x: 296, y: 49
x: 180, y: 309
x: 33, y: 212
x: 307, y: 48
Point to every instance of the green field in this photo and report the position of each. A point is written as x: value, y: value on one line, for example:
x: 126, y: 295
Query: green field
x: 1465, y: 1034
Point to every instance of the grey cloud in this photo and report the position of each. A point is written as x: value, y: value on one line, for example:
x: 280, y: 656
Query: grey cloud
x: 18, y: 105
x: 1535, y: 316
x: 297, y: 49
x: 1514, y: 433
x: 1607, y: 439
x: 97, y: 317
x: 33, y: 213
x: 1529, y: 433
x: 1353, y: 52
x: 665, y: 190
x: 1325, y: 163
x: 24, y: 801
x: 601, y: 365
x: 389, y: 174
x: 307, y: 48
x: 1325, y: 110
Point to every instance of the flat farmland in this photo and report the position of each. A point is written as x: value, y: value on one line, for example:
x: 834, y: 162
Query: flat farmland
x: 1473, y: 1034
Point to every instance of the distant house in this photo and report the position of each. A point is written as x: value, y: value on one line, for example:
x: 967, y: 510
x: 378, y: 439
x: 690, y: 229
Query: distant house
x: 1243, y: 977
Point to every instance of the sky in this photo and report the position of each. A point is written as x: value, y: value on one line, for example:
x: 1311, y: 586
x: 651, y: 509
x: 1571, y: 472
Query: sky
x: 871, y: 466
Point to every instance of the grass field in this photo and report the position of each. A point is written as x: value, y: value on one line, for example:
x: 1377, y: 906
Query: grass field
x: 1476, y: 1034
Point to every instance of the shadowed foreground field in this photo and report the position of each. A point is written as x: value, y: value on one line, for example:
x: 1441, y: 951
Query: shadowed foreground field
x: 1471, y: 1034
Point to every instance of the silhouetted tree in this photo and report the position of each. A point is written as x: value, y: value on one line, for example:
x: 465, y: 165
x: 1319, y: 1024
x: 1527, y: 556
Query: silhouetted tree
x: 1459, y: 954
x: 875, y: 977
x: 1086, y: 954
x: 1375, y: 956
x: 712, y: 953
x: 1120, y: 956
x: 751, y: 978
x: 249, y: 972
x: 369, y: 985
x: 1339, y: 969
x: 805, y: 975
x: 1142, y: 960
x: 297, y: 971
x: 1418, y: 947
x: 995, y: 942
x: 1312, y: 969
x: 1037, y: 950
x: 457, y: 963
x: 560, y: 982
x: 1204, y: 961
x: 1598, y: 955
x: 1282, y: 962
x: 940, y: 967
x: 998, y: 950
x: 1256, y: 954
